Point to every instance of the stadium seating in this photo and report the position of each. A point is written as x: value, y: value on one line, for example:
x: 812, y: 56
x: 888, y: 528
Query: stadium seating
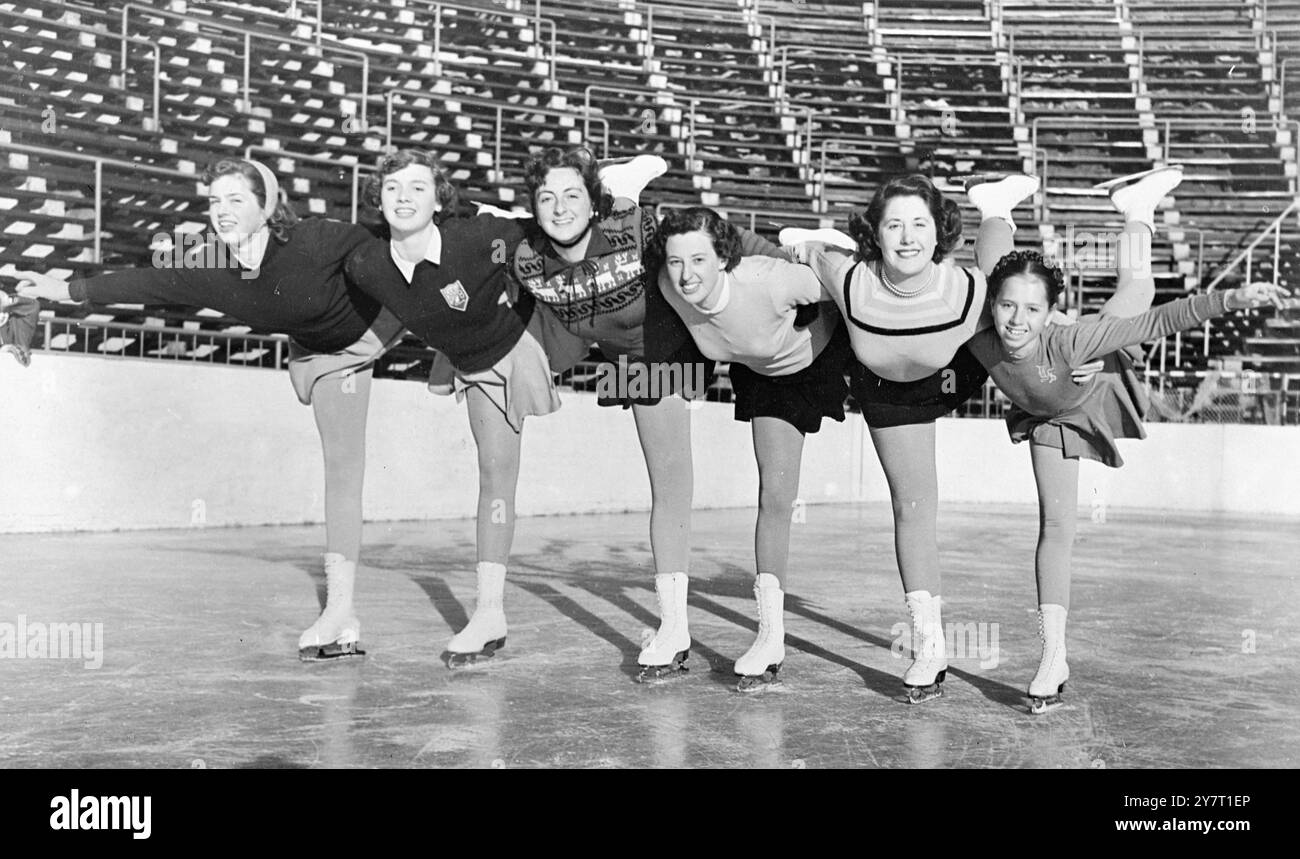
x: 776, y: 112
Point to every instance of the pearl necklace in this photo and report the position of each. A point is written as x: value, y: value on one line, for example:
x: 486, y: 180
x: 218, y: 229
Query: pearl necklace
x: 905, y: 293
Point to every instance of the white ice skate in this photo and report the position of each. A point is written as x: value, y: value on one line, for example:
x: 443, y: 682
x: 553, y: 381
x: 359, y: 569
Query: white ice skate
x: 628, y: 178
x: 337, y: 632
x: 996, y: 194
x: 666, y: 653
x: 1136, y: 196
x: 485, y: 633
x: 924, y: 677
x: 497, y: 211
x: 1048, y: 684
x: 791, y: 236
x: 758, y: 668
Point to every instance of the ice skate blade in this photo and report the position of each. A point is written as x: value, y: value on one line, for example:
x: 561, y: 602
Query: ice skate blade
x: 982, y: 178
x: 928, y: 692
x: 1120, y: 182
x: 331, y: 651
x: 464, y: 660
x: 1040, y: 704
x: 757, y: 683
x: 654, y: 674
x: 921, y: 694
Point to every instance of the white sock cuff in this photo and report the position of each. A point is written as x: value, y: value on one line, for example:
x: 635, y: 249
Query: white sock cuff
x: 767, y: 580
x: 490, y: 567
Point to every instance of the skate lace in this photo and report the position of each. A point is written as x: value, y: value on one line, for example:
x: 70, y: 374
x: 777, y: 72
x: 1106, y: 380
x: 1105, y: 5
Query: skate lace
x: 1051, y: 654
x: 665, y: 598
x: 764, y: 631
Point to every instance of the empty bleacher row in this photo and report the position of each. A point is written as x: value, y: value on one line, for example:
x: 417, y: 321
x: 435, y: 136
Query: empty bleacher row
x: 794, y: 111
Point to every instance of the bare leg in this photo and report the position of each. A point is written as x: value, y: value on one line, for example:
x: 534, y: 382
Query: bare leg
x: 994, y: 241
x: 665, y: 433
x: 907, y: 456
x: 1058, y: 490
x: 498, y: 476
x: 778, y: 446
x: 1136, y: 287
x: 339, y: 404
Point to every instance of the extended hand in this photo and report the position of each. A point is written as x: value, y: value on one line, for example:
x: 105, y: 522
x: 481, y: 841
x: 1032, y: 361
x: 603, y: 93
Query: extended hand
x: 1083, y: 375
x: 1256, y: 295
x: 33, y: 284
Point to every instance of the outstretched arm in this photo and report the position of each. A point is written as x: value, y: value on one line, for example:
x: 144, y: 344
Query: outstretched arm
x: 1107, y: 334
x: 147, y: 286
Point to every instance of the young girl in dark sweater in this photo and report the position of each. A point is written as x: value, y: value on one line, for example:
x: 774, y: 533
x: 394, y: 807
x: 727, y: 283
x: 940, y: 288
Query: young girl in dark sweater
x: 276, y: 273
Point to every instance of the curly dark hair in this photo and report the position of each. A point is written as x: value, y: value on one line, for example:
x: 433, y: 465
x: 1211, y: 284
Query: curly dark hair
x: 946, y: 214
x: 1028, y: 264
x: 282, y: 217
x: 444, y: 190
x: 581, y: 159
x: 725, y: 237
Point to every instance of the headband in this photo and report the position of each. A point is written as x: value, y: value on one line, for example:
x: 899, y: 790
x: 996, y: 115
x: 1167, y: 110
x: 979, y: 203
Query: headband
x: 272, y: 187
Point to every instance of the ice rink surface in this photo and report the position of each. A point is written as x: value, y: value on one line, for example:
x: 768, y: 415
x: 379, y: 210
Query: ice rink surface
x: 1182, y: 645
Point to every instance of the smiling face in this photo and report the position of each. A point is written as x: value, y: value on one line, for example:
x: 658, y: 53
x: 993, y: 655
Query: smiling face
x: 409, y: 199
x: 694, y: 267
x: 233, y: 207
x: 1020, y: 312
x: 906, y: 236
x: 563, y: 207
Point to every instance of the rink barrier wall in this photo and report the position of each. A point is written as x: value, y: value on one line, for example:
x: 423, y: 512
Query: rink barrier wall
x: 103, y: 444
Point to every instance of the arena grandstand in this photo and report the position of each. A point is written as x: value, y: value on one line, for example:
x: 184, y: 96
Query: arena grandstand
x: 777, y: 113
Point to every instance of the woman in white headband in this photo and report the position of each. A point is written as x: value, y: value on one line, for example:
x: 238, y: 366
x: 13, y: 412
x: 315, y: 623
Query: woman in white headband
x: 276, y: 273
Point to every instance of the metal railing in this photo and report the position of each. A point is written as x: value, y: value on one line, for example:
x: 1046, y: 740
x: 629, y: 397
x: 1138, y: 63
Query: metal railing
x: 357, y: 167
x: 249, y: 36
x: 438, y: 5
x: 320, y: 17
x: 649, y: 15
x: 1281, y: 88
x: 99, y: 162
x: 197, y: 346
x: 744, y: 211
x: 783, y: 53
x: 690, y: 117
x: 1167, y: 137
x: 137, y: 40
x: 1245, y: 260
x: 823, y: 204
x: 500, y: 117
x: 1247, y: 253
